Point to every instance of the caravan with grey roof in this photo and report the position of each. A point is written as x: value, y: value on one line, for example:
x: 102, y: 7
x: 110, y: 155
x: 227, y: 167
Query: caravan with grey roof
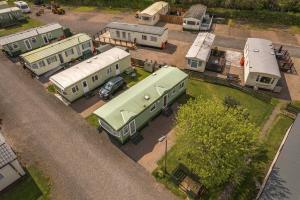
x: 261, y: 69
x: 140, y: 34
x: 24, y: 41
x: 196, y: 19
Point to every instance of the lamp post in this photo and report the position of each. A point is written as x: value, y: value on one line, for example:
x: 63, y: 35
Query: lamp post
x: 161, y: 139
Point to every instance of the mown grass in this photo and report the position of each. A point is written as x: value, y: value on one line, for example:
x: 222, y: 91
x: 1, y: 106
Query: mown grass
x: 31, y: 23
x: 140, y: 75
x: 34, y: 186
x: 51, y: 88
x: 258, y: 110
x: 93, y: 120
x: 84, y: 8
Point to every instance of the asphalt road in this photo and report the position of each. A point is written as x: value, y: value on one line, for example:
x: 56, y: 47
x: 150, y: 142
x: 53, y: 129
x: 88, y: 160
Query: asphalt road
x: 82, y: 163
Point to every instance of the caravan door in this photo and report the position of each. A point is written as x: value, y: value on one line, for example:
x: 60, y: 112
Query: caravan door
x: 85, y: 86
x: 132, y: 127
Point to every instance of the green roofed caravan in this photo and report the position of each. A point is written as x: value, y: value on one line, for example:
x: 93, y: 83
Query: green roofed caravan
x: 124, y: 115
x: 57, y: 55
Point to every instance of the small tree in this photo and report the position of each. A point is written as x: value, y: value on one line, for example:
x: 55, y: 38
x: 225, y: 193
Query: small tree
x: 215, y: 142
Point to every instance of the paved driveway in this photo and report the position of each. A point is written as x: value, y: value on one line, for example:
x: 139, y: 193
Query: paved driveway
x: 81, y: 163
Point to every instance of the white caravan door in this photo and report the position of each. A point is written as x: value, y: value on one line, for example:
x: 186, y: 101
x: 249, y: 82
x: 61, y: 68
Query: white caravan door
x: 132, y: 127
x: 85, y: 87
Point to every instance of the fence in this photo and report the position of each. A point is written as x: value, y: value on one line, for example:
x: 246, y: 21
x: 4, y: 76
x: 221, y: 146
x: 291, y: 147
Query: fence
x: 293, y: 109
x: 172, y: 19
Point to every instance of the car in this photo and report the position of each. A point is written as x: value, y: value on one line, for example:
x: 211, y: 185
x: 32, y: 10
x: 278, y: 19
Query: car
x: 110, y: 87
x: 23, y: 6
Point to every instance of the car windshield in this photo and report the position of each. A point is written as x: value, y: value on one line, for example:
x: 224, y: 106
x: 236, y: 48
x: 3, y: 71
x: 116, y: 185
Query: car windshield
x: 108, y: 86
x: 24, y: 6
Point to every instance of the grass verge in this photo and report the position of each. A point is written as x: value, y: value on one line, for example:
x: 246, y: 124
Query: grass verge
x: 33, y: 186
x: 31, y: 23
x: 140, y: 75
x: 93, y: 120
x: 51, y: 89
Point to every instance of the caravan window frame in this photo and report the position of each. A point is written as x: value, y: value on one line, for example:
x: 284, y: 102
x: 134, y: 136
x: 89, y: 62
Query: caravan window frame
x: 69, y: 52
x: 86, y: 45
x: 51, y: 59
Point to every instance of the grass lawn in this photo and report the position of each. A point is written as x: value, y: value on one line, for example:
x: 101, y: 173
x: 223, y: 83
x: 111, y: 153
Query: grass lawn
x: 111, y: 10
x: 51, y: 88
x: 93, y: 120
x: 140, y: 75
x: 84, y: 8
x: 296, y: 104
x: 259, y: 110
x: 31, y: 23
x: 34, y: 186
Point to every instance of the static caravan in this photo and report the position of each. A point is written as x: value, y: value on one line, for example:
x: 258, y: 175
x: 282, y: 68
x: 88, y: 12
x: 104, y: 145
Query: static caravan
x: 127, y: 113
x: 10, y: 168
x: 3, y: 4
x: 78, y: 80
x: 140, y: 34
x: 10, y: 17
x: 59, y: 54
x: 196, y: 18
x: 22, y: 42
x: 151, y: 15
x: 261, y: 69
x: 198, y: 55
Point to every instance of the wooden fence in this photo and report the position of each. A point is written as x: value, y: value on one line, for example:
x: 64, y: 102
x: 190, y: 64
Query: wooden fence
x: 172, y: 19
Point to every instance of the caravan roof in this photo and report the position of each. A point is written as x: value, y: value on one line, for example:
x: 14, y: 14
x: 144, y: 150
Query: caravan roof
x: 136, y: 99
x: 201, y: 47
x: 28, y: 33
x: 7, y: 10
x: 261, y: 57
x: 154, y: 8
x: 86, y: 68
x: 54, y: 48
x: 154, y: 30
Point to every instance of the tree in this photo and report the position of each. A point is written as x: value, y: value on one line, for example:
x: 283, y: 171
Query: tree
x: 216, y: 142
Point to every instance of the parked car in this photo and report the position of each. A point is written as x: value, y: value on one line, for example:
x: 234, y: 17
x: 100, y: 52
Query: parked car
x: 23, y: 6
x: 111, y: 87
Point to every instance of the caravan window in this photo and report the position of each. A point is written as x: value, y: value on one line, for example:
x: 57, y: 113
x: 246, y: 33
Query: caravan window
x: 153, y: 107
x: 69, y: 52
x: 124, y: 34
x: 95, y: 78
x: 108, y: 71
x: 191, y: 23
x: 144, y: 37
x: 33, y: 40
x: 34, y: 66
x: 265, y: 80
x: 146, y: 18
x: 75, y: 89
x: 86, y: 45
x: 51, y: 60
x: 118, y: 33
x: 42, y: 63
x: 153, y: 39
x: 181, y: 85
x: 15, y: 45
x: 194, y: 63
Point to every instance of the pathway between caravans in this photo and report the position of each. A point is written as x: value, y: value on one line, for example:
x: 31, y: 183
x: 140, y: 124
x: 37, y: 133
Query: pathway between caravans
x: 82, y: 164
x: 276, y: 111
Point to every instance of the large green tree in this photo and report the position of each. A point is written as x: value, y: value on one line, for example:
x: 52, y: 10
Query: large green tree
x: 216, y: 141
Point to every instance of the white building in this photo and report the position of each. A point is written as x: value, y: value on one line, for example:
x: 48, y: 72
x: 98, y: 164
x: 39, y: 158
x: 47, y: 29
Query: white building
x: 10, y: 168
x: 82, y: 78
x: 151, y: 15
x: 140, y: 34
x: 196, y: 18
x: 199, y: 53
x: 261, y: 69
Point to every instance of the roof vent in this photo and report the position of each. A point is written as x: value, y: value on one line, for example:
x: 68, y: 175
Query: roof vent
x: 256, y: 50
x: 154, y: 74
x: 89, y: 61
x: 95, y: 57
x: 272, y: 53
x: 146, y: 97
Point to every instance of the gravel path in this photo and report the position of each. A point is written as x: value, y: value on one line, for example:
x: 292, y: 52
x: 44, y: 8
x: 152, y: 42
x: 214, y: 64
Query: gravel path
x: 82, y: 164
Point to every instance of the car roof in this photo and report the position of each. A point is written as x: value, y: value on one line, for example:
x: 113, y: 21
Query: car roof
x: 115, y: 79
